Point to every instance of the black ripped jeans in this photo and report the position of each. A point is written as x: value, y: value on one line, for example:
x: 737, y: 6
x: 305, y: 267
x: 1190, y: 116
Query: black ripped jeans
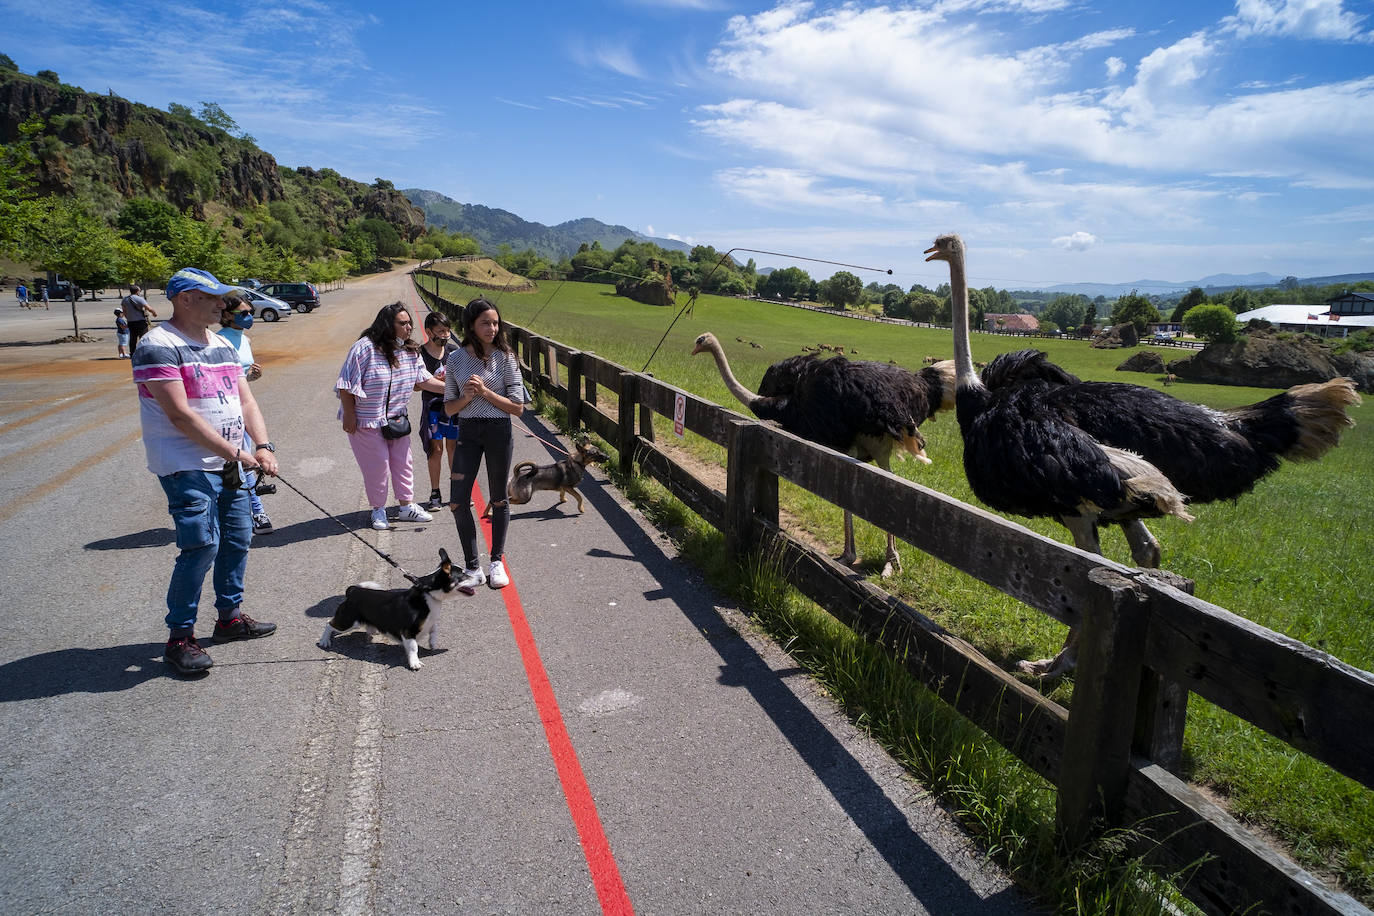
x: 478, y: 437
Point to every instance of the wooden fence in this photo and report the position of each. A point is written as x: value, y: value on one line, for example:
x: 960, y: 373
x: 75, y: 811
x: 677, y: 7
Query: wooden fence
x: 1145, y: 644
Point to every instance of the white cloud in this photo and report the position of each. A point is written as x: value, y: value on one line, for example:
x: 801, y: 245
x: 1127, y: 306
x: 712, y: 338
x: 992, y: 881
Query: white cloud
x: 1079, y: 241
x: 787, y: 188
x: 1325, y: 20
x: 1115, y: 67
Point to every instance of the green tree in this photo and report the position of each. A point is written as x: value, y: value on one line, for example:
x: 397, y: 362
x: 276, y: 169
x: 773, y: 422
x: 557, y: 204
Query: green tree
x: 140, y: 262
x: 1136, y: 309
x: 924, y: 306
x: 786, y: 283
x: 212, y: 114
x: 1191, y: 300
x: 1212, y: 323
x: 197, y: 244
x: 143, y: 219
x: 48, y: 76
x: 7, y: 63
x: 1239, y: 300
x: 72, y: 242
x: 842, y: 289
x: 1067, y: 310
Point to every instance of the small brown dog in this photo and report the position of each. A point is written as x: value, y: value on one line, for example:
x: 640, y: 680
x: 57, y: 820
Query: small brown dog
x: 527, y: 477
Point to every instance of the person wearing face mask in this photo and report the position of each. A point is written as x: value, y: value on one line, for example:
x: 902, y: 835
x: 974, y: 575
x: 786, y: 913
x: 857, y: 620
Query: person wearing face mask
x: 236, y: 318
x: 438, y: 431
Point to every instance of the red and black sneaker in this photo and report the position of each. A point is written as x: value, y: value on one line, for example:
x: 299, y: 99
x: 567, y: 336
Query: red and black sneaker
x: 186, y: 656
x: 242, y: 627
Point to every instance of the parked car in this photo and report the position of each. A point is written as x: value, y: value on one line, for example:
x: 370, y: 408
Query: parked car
x: 266, y: 307
x: 250, y: 283
x: 302, y: 296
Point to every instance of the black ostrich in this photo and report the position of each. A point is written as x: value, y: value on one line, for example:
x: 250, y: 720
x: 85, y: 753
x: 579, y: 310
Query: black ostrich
x: 867, y: 410
x: 1202, y: 453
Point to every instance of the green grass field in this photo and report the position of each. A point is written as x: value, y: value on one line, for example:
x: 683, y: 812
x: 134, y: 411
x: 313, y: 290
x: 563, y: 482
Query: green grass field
x: 1295, y: 555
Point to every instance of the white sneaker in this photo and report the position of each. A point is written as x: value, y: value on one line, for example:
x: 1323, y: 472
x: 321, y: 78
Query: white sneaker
x: 472, y: 578
x: 379, y: 521
x: 413, y: 513
x: 496, y: 575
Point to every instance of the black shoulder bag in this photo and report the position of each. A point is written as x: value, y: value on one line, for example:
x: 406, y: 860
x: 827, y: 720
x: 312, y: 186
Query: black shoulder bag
x: 397, y: 427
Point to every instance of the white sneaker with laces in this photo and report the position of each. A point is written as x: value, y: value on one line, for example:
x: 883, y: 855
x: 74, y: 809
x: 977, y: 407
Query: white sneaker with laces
x: 472, y: 578
x: 413, y: 513
x: 496, y: 575
x: 379, y: 521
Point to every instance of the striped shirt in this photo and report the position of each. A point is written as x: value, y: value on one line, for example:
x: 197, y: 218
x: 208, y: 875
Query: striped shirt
x: 210, y: 374
x: 499, y: 372
x: 366, y: 375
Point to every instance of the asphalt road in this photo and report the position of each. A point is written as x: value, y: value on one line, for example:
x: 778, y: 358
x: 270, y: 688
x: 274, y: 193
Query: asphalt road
x: 603, y: 736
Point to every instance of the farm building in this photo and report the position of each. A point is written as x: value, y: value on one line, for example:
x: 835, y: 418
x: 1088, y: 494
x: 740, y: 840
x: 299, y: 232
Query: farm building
x: 1020, y: 322
x: 1341, y: 316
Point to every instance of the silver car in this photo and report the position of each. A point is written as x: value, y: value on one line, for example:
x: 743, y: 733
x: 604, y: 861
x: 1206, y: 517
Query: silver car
x: 265, y: 307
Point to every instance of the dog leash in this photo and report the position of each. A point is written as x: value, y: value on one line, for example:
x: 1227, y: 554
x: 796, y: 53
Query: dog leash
x: 344, y: 525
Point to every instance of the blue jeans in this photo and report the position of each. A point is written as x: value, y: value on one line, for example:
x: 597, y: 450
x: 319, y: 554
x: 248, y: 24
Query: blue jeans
x: 214, y: 528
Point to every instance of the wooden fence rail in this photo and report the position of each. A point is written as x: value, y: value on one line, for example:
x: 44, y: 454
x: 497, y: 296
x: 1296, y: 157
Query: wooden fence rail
x: 1144, y: 645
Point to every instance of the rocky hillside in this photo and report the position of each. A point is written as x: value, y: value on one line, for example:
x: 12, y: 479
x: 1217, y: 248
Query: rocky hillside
x: 106, y: 150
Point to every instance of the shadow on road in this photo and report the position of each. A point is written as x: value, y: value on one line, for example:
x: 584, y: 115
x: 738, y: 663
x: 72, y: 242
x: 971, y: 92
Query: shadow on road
x: 65, y: 671
x: 881, y: 821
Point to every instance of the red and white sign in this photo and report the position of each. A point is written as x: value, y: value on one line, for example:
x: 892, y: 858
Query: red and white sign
x: 679, y: 413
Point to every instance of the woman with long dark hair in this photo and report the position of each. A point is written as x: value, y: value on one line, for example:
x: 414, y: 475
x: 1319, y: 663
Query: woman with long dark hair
x: 484, y: 389
x: 374, y: 385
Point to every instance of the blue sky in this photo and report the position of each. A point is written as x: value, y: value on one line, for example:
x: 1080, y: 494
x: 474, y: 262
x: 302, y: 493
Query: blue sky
x: 1065, y: 140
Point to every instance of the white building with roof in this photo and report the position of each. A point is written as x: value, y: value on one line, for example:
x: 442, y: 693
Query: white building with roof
x: 1339, y: 317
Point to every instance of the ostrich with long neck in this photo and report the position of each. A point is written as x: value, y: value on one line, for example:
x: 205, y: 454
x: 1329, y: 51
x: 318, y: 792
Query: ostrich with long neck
x: 867, y: 410
x: 1024, y: 458
x: 1207, y: 454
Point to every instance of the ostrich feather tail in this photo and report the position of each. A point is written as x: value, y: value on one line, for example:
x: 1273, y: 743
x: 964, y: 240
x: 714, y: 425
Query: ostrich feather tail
x: 915, y: 445
x: 1319, y: 412
x: 1144, y: 482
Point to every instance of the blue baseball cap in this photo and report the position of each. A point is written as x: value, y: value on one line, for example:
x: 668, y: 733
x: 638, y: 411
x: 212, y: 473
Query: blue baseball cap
x: 195, y: 278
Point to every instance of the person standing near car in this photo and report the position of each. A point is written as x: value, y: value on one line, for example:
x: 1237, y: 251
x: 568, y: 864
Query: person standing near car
x: 195, y: 407
x: 136, y: 311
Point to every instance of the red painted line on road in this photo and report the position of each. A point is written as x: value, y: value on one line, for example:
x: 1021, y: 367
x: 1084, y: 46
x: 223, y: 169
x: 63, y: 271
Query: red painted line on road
x: 610, y: 890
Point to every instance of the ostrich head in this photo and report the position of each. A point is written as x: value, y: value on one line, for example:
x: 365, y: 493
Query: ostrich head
x: 947, y: 247
x: 706, y: 343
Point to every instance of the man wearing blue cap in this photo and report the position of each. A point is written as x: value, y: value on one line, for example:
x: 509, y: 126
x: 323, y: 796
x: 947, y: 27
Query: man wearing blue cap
x: 195, y: 407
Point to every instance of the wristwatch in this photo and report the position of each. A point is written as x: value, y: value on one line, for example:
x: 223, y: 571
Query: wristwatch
x: 267, y: 445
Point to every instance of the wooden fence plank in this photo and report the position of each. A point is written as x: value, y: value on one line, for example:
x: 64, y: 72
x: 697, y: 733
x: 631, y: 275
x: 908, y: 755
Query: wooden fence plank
x: 1232, y: 871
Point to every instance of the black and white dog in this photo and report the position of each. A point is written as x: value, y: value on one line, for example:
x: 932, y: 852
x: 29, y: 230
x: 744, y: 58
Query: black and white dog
x: 404, y: 614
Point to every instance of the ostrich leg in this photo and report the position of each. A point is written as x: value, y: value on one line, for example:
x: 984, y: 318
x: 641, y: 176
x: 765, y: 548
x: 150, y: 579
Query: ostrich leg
x: 1144, y: 547
x: 851, y: 553
x: 1084, y: 531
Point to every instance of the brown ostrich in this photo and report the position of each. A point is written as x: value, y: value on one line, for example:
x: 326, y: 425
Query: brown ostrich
x: 867, y: 410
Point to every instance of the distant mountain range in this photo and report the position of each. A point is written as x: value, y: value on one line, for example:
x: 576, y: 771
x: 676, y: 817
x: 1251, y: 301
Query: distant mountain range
x: 494, y: 227
x: 1212, y: 284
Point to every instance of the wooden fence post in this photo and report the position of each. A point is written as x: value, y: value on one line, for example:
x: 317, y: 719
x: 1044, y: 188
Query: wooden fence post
x: 1097, y: 738
x: 750, y: 492
x: 537, y: 357
x: 646, y: 419
x: 590, y: 396
x: 574, y: 390
x: 1162, y: 712
x: 625, y: 421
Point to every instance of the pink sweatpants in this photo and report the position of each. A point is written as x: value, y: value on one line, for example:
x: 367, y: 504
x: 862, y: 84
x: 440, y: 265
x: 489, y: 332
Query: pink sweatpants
x: 376, y: 455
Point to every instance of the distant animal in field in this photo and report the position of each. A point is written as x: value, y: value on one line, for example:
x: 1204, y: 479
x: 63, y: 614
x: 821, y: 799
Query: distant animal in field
x: 865, y: 409
x: 1040, y: 442
x: 1170, y: 379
